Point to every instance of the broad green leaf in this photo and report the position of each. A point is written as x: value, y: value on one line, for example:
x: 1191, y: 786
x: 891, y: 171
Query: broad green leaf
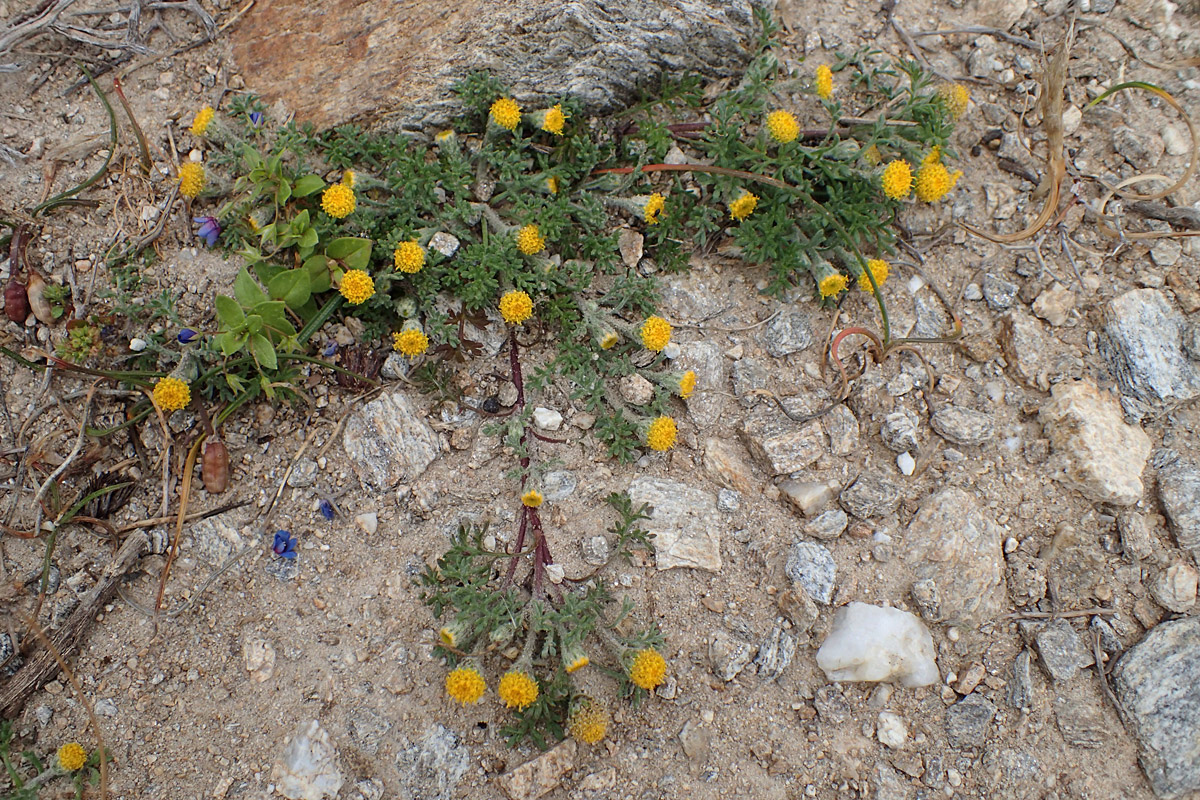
x: 307, y: 185
x: 264, y: 351
x: 353, y: 252
x: 231, y: 343
x: 290, y: 286
x: 309, y: 238
x: 254, y: 323
x: 317, y: 268
x: 246, y: 290
x: 301, y: 221
x: 267, y: 388
x: 283, y: 193
x: 235, y: 383
x: 229, y: 313
x: 274, y: 316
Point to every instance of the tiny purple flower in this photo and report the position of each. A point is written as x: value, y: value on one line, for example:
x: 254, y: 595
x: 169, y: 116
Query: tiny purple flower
x: 327, y: 509
x: 285, y: 545
x: 209, y: 229
x: 331, y: 348
x: 256, y: 118
x: 187, y: 336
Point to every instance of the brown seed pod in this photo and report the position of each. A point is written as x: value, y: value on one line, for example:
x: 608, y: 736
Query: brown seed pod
x: 16, y: 301
x: 36, y: 292
x: 215, y: 469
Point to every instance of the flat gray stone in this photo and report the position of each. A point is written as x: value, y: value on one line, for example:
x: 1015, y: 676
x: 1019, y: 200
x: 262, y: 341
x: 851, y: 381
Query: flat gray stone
x: 776, y: 653
x: 829, y: 525
x: 1142, y: 343
x: 1020, y: 687
x: 812, y: 567
x: 790, y: 332
x: 968, y: 721
x: 1179, y: 492
x: 1158, y: 682
x: 842, y: 428
x: 684, y: 522
x: 999, y: 292
x: 728, y: 655
x: 964, y: 426
x: 388, y: 442
x: 871, y: 496
x: 952, y: 543
x: 899, y: 430
x: 308, y: 767
x: 780, y: 445
x: 707, y: 403
x: 432, y: 768
x: 1061, y: 650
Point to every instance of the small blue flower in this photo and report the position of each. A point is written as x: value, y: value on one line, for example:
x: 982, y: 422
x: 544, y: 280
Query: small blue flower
x: 285, y: 545
x: 256, y: 118
x: 187, y: 336
x: 209, y: 229
x: 331, y: 348
x: 327, y: 509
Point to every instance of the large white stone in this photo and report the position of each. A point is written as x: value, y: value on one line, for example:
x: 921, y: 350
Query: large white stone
x: 874, y: 643
x: 308, y: 767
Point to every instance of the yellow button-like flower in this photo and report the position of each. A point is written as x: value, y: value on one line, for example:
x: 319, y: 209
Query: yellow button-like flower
x: 72, y: 756
x: 172, y: 394
x: 648, y: 669
x: 357, y: 286
x: 654, y: 208
x: 349, y: 178
x: 530, y: 241
x: 552, y: 185
x: 410, y: 342
x: 934, y: 181
x: 656, y: 333
x: 897, y: 179
x: 743, y: 206
x: 518, y: 689
x: 516, y: 307
x: 608, y: 339
x: 832, y: 285
x: 532, y: 498
x: 506, y: 113
x: 409, y: 257
x: 202, y: 120
x: 687, y: 384
x: 191, y: 179
x: 554, y: 119
x: 955, y: 97
x: 465, y: 685
x: 824, y: 82
x: 574, y: 658
x: 782, y: 126
x: 338, y: 201
x: 588, y: 721
x: 879, y: 269
x: 660, y: 435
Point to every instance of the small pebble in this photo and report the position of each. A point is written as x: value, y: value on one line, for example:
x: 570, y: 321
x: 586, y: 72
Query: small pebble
x: 906, y: 463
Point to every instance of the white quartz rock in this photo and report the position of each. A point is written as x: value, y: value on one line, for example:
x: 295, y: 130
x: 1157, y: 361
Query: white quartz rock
x: 873, y: 643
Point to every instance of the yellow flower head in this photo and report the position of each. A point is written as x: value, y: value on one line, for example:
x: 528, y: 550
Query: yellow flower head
x: 609, y: 339
x: 660, y: 434
x: 782, y: 126
x: 955, y: 97
x: 648, y: 669
x: 588, y: 721
x: 574, y: 658
x: 532, y: 498
x: 201, y: 121
x: 191, y: 179
x: 832, y: 285
x: 530, y: 241
x: 743, y: 206
x: 879, y: 269
x: 687, y: 384
x: 872, y: 155
x: 410, y: 342
x: 516, y: 307
x: 824, y: 82
x: 349, y: 178
x: 897, y: 179
x: 518, y: 689
x: 454, y: 634
x: 552, y: 185
x: 656, y: 333
x: 465, y: 685
x: 171, y: 394
x: 654, y: 208
x: 506, y: 113
x: 72, y: 756
x: 934, y: 181
x: 409, y: 257
x: 554, y: 119
x: 357, y: 286
x: 338, y: 201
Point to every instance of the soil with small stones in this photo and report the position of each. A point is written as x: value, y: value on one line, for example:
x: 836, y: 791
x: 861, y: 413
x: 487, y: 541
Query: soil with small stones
x: 203, y: 706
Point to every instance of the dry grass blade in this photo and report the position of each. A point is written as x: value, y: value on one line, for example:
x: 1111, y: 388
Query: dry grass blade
x: 1113, y: 233
x: 1053, y: 84
x: 1171, y: 101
